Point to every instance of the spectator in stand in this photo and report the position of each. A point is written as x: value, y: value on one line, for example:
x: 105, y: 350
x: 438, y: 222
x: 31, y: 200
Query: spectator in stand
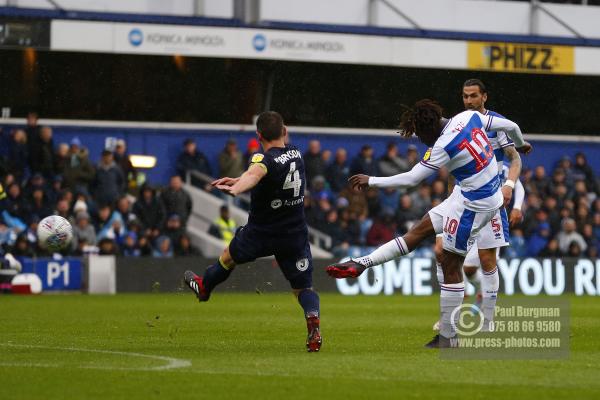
x: 421, y: 198
x: 176, y: 200
x: 252, y: 148
x: 163, y: 248
x: 313, y: 162
x: 551, y: 249
x: 363, y: 163
x: 173, y: 229
x: 41, y: 154
x: 110, y: 225
x: 592, y: 243
x: 130, y: 246
x: 406, y: 214
x: 63, y: 208
x: 61, y: 159
x: 124, y: 208
x: 373, y: 203
x: 144, y: 246
x: 439, y: 190
x: 14, y: 203
x: 231, y: 161
x: 192, y: 160
x: 37, y: 206
x: 412, y: 156
x: 184, y: 247
x: 149, y: 210
x: 337, y: 172
x: 391, y: 163
x: 540, y: 183
x: 550, y: 207
x: 539, y: 240
x: 518, y: 246
x: 389, y: 199
x: 566, y: 167
x: 596, y: 225
x: 349, y: 224
x: 79, y: 172
x: 583, y: 170
x: 107, y: 247
x: 568, y: 235
x: 319, y: 191
x: 382, y: 231
x: 223, y: 227
x: 83, y: 231
x: 18, y: 156
x: 22, y: 247
x: 110, y: 182
x: 122, y: 160
x: 357, y: 202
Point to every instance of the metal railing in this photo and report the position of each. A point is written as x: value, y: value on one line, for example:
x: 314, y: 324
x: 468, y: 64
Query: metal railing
x: 316, y: 237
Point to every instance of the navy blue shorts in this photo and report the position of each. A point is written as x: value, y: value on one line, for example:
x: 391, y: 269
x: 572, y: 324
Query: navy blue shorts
x: 292, y: 252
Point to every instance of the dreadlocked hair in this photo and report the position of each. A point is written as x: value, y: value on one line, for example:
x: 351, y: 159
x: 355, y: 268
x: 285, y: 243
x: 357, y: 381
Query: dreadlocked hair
x: 422, y: 120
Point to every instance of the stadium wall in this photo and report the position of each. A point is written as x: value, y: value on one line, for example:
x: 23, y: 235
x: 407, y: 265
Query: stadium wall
x: 164, y: 141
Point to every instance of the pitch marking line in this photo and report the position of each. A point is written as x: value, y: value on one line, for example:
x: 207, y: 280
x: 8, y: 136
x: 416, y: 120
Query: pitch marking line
x: 171, y: 363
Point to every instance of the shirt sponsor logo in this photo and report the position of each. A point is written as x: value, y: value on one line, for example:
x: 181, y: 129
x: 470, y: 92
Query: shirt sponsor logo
x: 275, y: 204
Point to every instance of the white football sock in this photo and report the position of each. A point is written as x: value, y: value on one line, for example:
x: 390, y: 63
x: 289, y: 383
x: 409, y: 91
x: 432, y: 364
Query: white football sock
x: 490, y: 282
x: 451, y: 297
x: 386, y: 252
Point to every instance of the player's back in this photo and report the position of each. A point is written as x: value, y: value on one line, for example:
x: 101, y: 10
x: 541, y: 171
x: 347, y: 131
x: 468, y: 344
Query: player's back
x: 471, y: 159
x: 277, y: 202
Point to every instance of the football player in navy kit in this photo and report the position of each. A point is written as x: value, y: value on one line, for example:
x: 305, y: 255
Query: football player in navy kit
x: 276, y: 223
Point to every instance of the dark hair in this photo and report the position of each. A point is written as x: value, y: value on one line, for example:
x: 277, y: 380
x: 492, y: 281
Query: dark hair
x: 422, y: 120
x: 270, y: 125
x: 476, y: 82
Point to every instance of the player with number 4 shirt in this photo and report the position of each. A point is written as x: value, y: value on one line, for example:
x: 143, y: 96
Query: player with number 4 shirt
x: 460, y: 144
x: 276, y: 223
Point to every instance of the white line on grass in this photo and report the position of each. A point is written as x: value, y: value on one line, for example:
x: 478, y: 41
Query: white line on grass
x: 171, y: 363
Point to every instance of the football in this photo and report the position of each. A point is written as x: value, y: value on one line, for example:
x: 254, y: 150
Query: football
x: 54, y: 233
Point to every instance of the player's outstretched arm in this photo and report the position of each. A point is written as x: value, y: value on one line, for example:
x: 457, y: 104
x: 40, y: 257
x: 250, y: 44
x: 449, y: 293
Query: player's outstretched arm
x: 492, y: 123
x: 247, y: 181
x: 410, y: 178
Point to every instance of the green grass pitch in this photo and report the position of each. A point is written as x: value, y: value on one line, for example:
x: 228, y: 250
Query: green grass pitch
x: 252, y: 346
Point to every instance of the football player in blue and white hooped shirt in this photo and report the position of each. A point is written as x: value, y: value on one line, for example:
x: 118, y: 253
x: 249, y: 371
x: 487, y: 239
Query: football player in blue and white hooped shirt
x: 462, y: 145
x: 495, y: 234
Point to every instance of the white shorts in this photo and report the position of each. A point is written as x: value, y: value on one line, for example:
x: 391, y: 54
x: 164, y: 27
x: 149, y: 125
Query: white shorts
x: 492, y: 236
x: 461, y: 226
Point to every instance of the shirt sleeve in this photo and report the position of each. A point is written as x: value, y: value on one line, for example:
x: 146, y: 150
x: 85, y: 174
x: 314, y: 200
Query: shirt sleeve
x: 261, y: 160
x: 519, y: 195
x: 504, y: 140
x: 410, y: 178
x: 492, y: 123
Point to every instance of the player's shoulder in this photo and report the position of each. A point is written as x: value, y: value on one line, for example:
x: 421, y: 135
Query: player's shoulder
x: 494, y: 114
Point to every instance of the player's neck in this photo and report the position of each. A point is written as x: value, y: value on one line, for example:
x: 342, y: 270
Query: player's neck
x: 482, y: 110
x: 275, y: 143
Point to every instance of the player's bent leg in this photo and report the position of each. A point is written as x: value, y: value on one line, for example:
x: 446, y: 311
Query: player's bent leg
x: 202, y: 286
x: 309, y: 300
x: 490, y: 283
x: 400, y: 246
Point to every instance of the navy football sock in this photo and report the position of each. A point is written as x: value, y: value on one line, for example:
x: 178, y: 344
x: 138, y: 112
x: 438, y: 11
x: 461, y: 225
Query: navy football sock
x: 214, y: 275
x: 309, y: 300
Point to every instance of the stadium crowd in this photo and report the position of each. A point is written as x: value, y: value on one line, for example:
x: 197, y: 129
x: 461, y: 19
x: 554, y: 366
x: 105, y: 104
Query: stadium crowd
x: 108, y: 212
x: 112, y: 214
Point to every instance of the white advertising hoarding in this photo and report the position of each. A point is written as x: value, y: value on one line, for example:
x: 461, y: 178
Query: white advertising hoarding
x: 273, y: 44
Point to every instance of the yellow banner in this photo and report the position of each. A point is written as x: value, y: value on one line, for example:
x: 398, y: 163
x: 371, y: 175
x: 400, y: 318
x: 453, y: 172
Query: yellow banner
x: 521, y: 57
